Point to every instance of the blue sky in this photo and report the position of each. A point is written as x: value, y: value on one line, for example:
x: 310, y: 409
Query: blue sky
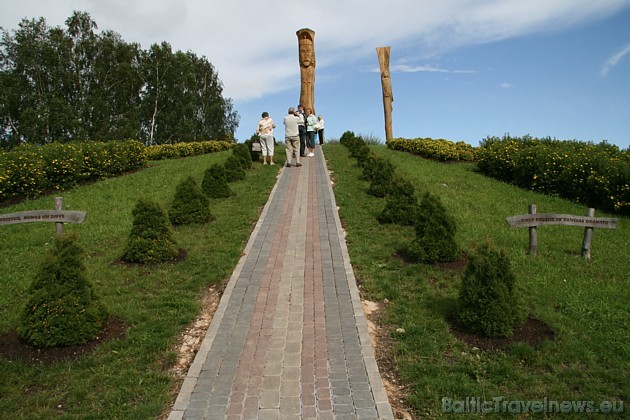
x: 461, y: 69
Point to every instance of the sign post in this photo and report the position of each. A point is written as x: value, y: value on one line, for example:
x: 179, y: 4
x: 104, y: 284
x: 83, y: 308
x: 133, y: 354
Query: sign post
x: 533, y: 220
x: 58, y: 216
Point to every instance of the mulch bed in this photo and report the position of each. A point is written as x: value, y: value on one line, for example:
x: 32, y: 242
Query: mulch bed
x: 12, y: 348
x: 533, y: 332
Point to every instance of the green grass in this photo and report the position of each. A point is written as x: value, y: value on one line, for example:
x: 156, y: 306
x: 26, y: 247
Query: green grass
x: 585, y: 302
x: 125, y: 378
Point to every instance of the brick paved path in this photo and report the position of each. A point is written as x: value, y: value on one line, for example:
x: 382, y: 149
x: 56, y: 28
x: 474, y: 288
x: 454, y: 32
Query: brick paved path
x: 289, y: 339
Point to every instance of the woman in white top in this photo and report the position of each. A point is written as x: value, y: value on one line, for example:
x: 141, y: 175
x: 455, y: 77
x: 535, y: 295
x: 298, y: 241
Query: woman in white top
x: 320, y: 129
x: 267, y: 142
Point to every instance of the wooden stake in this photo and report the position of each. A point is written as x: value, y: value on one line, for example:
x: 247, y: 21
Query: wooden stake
x: 588, y: 237
x: 59, y: 206
x: 533, y: 234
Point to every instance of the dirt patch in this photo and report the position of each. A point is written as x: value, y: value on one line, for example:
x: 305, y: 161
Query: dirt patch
x: 458, y: 265
x: 533, y: 332
x: 190, y: 339
x: 12, y: 348
x: 382, y: 343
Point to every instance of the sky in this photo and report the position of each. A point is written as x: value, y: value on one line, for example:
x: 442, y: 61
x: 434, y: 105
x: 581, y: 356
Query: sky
x: 461, y: 70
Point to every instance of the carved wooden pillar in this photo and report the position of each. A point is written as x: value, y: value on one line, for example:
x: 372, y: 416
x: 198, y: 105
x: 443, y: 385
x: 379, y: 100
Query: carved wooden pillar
x: 386, y: 83
x: 306, y: 45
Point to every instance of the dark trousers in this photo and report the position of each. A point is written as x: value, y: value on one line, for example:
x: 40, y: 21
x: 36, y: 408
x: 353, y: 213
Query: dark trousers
x: 320, y: 136
x: 302, y: 132
x: 310, y: 139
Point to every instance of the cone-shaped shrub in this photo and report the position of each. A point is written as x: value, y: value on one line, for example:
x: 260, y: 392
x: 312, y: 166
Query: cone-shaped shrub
x: 254, y: 155
x: 368, y: 167
x: 489, y: 303
x: 401, y: 204
x: 241, y: 151
x: 234, y: 169
x: 62, y: 308
x: 190, y: 205
x: 435, y: 233
x: 214, y: 183
x: 381, y: 174
x: 151, y: 239
x: 346, y: 138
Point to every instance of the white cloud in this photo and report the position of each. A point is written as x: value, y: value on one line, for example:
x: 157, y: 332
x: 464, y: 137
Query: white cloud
x: 406, y: 68
x: 614, y: 59
x: 506, y: 85
x: 254, y: 48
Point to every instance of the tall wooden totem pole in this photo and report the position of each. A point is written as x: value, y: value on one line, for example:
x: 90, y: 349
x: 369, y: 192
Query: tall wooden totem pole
x: 306, y: 45
x: 386, y: 83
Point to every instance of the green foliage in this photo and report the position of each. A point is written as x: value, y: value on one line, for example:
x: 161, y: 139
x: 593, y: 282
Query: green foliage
x: 489, y: 303
x: 401, y: 204
x: 435, y: 233
x: 370, y: 139
x: 190, y: 204
x: 215, y: 183
x: 29, y: 170
x: 584, y: 302
x: 185, y: 149
x: 242, y: 151
x: 62, y: 308
x: 380, y: 171
x: 357, y: 146
x: 438, y: 149
x: 73, y: 83
x: 346, y: 137
x: 234, y: 170
x: 597, y: 175
x: 150, y: 239
x: 255, y: 155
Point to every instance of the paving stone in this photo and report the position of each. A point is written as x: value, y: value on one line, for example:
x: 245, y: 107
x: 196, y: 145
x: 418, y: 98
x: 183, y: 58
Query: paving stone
x: 290, y: 313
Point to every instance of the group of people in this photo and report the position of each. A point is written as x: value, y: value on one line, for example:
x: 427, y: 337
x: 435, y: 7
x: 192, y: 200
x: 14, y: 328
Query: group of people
x: 300, y: 127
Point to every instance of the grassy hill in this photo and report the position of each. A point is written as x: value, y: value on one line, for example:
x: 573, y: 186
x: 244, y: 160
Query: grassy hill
x: 584, y: 302
x: 124, y: 378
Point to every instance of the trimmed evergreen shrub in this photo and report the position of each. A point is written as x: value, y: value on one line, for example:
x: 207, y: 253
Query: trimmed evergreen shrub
x: 381, y: 174
x: 401, y: 204
x: 151, y: 239
x: 435, y: 233
x: 361, y: 153
x: 190, y: 205
x: 346, y: 137
x: 215, y: 183
x: 368, y: 167
x: 255, y: 155
x: 62, y: 308
x: 242, y: 151
x: 489, y: 303
x: 234, y: 170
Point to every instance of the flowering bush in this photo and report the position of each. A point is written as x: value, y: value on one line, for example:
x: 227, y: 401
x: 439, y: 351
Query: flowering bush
x: 29, y: 170
x: 440, y: 149
x: 180, y: 150
x: 597, y: 175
